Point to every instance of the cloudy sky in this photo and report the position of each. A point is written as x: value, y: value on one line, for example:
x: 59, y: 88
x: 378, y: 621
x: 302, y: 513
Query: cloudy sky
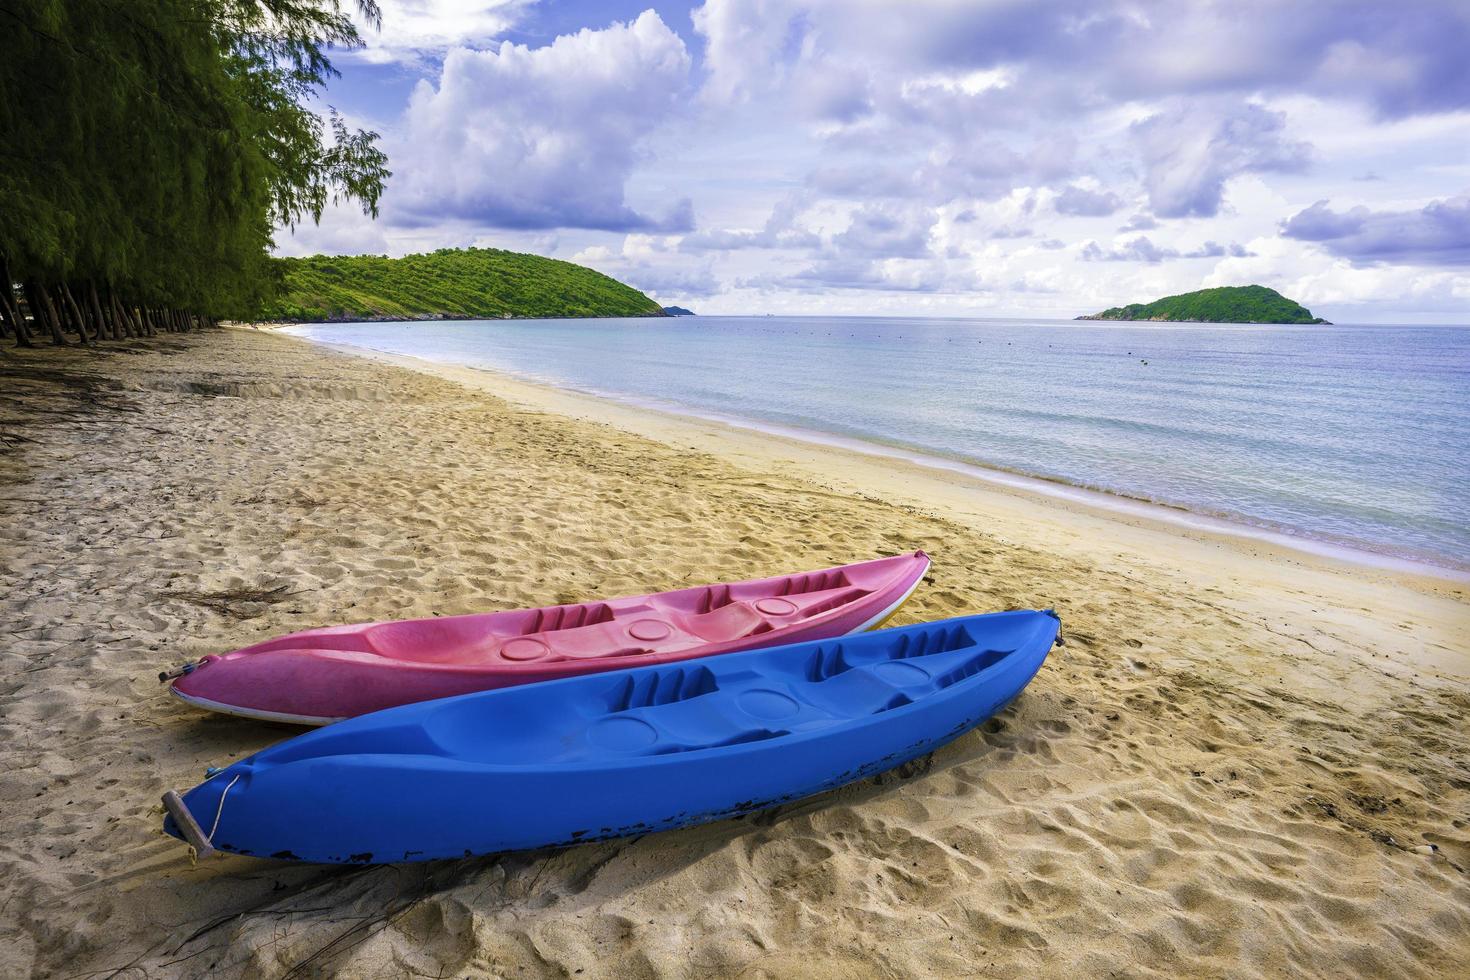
x: 932, y: 157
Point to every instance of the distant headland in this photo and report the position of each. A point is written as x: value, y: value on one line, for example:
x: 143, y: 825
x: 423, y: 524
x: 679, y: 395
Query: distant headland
x: 678, y: 311
x: 1226, y: 304
x: 449, y: 284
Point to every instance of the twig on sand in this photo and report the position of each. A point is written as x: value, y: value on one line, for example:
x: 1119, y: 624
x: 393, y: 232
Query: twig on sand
x: 363, y: 930
x: 228, y: 601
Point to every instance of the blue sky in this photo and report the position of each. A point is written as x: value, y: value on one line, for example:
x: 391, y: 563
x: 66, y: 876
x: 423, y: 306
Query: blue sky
x: 931, y: 157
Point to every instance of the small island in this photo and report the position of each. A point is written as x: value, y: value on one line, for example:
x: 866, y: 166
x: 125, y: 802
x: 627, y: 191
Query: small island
x: 1226, y: 304
x: 678, y: 311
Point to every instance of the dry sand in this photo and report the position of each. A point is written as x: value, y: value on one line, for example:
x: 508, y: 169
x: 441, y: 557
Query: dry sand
x: 1240, y: 764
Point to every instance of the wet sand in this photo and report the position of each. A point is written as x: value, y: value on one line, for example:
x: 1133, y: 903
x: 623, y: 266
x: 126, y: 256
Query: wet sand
x: 1246, y: 761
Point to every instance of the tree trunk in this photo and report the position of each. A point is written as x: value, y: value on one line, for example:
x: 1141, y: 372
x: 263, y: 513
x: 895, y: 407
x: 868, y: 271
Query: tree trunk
x: 109, y: 310
x: 120, y: 320
x: 120, y: 312
x: 45, y: 314
x: 78, y: 317
x: 68, y: 325
x: 125, y: 315
x: 99, y: 317
x: 22, y: 329
x: 64, y: 314
x: 12, y: 308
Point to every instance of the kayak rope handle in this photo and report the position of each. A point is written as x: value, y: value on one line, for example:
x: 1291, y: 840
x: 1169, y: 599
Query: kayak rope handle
x: 201, y: 845
x: 1060, y: 641
x: 220, y: 812
x: 167, y: 675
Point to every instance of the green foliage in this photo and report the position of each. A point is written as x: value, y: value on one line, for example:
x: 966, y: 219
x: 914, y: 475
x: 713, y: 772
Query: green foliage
x: 154, y: 145
x: 477, y: 283
x: 1226, y: 304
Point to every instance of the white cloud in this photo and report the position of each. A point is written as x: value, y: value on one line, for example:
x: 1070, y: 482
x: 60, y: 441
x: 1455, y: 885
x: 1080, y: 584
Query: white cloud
x: 545, y: 137
x: 781, y: 230
x: 344, y: 230
x: 1191, y: 149
x: 652, y: 263
x: 1076, y: 199
x: 412, y: 29
x: 744, y: 42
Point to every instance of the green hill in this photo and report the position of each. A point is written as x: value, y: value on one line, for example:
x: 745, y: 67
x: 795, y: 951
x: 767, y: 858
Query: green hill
x: 470, y: 283
x: 1227, y: 304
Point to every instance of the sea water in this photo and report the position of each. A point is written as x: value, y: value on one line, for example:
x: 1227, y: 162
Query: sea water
x: 1356, y: 435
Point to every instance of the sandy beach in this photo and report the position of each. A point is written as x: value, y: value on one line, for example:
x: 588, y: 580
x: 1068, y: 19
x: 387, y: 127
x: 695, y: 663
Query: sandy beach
x: 1247, y: 760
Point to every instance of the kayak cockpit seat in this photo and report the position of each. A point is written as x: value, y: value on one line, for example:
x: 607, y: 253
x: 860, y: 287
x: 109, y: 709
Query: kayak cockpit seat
x: 867, y: 680
x: 553, y: 618
x: 726, y: 623
x: 661, y: 687
x: 909, y: 645
x: 823, y: 581
x: 816, y: 603
x: 713, y: 597
x: 882, y: 687
x: 970, y: 667
x: 830, y: 659
x: 739, y: 618
x: 600, y: 642
x: 556, y: 632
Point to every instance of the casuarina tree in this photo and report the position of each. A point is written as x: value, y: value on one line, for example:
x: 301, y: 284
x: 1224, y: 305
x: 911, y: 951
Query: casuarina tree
x: 149, y: 149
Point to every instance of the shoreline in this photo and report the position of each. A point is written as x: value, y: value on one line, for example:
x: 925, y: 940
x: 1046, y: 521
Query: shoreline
x: 1259, y: 760
x: 679, y: 423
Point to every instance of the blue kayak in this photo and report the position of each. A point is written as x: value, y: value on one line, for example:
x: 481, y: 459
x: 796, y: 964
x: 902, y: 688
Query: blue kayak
x: 617, y: 753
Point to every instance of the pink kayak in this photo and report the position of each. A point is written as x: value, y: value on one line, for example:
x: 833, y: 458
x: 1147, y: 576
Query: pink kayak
x: 324, y: 675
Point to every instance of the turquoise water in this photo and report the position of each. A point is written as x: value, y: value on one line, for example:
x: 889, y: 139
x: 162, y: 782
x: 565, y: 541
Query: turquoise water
x: 1355, y: 435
